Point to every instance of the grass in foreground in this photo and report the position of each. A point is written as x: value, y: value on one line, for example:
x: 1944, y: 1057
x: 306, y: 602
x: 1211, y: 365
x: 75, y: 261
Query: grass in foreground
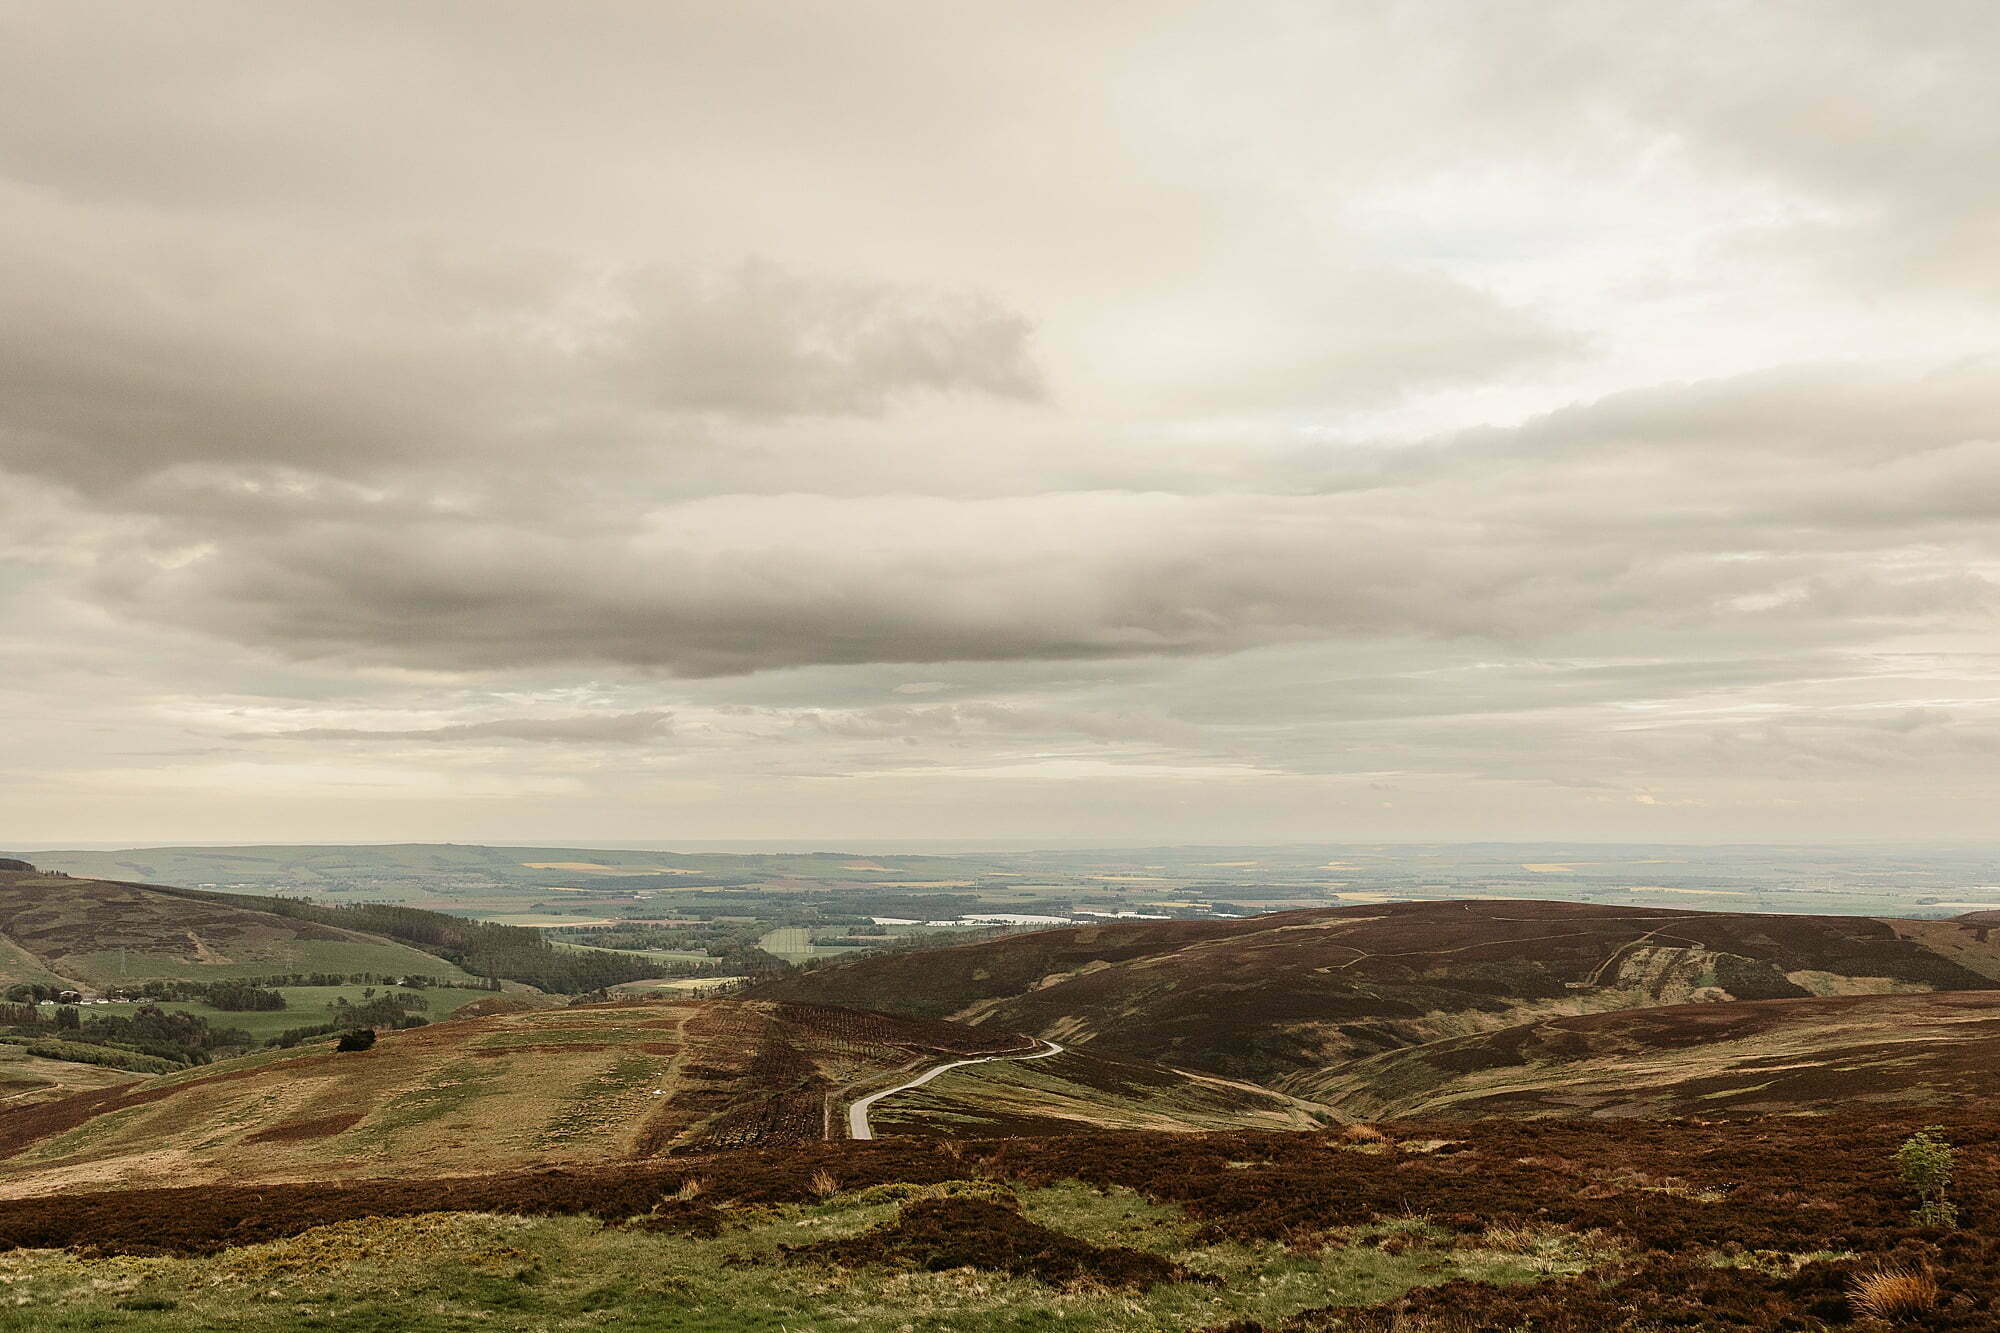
x: 464, y: 1271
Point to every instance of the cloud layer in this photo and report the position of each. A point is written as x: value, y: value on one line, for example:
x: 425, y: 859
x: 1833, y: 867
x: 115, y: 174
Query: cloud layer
x: 1437, y: 420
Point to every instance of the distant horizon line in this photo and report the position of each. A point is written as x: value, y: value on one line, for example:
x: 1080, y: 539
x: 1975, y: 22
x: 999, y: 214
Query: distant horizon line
x: 845, y: 845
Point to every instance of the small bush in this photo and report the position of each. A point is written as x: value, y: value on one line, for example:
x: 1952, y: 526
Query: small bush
x: 1894, y: 1293
x: 360, y: 1039
x: 1925, y: 1161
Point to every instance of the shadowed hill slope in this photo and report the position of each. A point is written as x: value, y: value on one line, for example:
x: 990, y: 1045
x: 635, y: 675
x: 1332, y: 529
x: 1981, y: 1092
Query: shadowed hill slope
x: 1279, y: 997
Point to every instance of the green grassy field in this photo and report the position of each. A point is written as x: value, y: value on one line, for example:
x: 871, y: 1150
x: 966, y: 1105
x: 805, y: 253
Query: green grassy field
x: 459, y: 1271
x: 305, y: 1006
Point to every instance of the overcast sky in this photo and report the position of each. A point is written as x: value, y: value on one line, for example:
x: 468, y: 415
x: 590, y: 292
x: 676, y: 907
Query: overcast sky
x: 1138, y: 421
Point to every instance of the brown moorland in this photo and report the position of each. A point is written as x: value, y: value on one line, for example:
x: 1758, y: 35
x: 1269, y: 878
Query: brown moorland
x: 1281, y: 997
x: 1736, y: 1224
x: 583, y: 1083
x: 1744, y: 1058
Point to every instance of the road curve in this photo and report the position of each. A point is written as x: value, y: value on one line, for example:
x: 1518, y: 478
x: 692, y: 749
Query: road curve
x: 857, y: 1114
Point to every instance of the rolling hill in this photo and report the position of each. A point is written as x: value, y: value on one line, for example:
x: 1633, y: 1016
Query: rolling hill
x: 527, y: 1087
x: 92, y: 933
x: 682, y: 1164
x: 1280, y: 999
x: 1748, y: 1058
x: 594, y: 1082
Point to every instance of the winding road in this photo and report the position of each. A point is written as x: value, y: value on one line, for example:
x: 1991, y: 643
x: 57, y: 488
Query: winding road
x: 857, y: 1114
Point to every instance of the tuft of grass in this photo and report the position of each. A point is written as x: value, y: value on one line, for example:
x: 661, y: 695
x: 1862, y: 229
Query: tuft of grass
x: 823, y: 1184
x: 1894, y: 1293
x: 1548, y: 1247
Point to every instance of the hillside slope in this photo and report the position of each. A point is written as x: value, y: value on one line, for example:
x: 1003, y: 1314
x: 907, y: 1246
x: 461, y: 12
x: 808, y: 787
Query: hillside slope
x: 91, y: 933
x: 1749, y: 1058
x: 1281, y: 997
x: 1076, y: 1092
x: 530, y: 1087
x: 595, y: 1082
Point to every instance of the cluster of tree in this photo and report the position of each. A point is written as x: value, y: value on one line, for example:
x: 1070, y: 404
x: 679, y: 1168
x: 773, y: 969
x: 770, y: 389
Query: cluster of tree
x: 79, y: 1053
x: 27, y: 992
x: 232, y: 996
x: 396, y: 1010
x: 171, y: 1035
x: 493, y: 952
x: 179, y: 990
x: 731, y: 944
x: 922, y: 939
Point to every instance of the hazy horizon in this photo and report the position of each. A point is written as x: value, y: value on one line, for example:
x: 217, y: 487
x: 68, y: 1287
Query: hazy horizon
x: 1047, y: 424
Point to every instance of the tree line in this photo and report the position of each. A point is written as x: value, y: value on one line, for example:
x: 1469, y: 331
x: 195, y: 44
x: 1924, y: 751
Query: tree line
x: 483, y: 948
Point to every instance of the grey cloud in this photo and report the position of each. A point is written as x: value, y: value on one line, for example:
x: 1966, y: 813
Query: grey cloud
x: 761, y: 342
x: 590, y: 729
x: 1001, y: 719
x: 214, y: 379
x: 1707, y: 508
x: 1478, y: 401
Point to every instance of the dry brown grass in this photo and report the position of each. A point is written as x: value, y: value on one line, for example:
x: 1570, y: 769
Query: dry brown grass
x: 1363, y: 1134
x: 1631, y: 1178
x: 690, y: 1189
x: 823, y: 1183
x: 1894, y: 1293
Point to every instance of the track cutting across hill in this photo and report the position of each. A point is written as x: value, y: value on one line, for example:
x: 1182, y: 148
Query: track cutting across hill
x: 857, y: 1114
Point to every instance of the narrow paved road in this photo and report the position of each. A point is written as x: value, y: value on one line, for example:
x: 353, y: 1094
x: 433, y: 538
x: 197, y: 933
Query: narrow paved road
x: 857, y: 1114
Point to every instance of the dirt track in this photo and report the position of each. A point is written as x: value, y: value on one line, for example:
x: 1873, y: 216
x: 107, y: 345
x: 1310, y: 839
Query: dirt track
x: 857, y: 1114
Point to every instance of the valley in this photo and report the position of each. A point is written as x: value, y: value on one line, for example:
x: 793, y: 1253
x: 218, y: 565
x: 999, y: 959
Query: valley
x: 1507, y: 1113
